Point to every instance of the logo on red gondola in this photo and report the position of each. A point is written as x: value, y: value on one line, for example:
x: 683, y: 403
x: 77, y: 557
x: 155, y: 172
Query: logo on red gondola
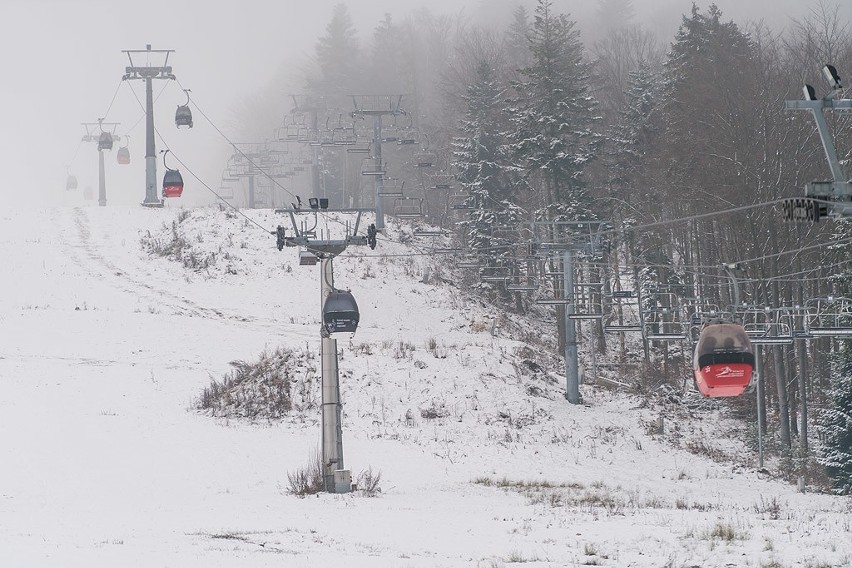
x: 729, y: 372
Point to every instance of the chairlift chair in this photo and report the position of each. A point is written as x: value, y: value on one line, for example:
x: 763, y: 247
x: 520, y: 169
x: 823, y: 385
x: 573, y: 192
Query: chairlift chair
x: 344, y: 136
x: 392, y: 188
x: 441, y: 181
x: 524, y: 284
x: 424, y: 159
x: 296, y: 132
x: 408, y: 207
x: 226, y: 187
x: 470, y: 263
x: 373, y: 167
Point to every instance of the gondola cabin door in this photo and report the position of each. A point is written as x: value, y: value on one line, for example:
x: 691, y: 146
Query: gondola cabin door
x: 724, y: 361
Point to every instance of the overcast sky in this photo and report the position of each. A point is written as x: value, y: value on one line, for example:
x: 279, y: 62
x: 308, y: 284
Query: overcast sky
x: 62, y: 62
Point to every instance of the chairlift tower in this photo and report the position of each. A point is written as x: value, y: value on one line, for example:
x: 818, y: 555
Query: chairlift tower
x: 377, y: 106
x: 567, y: 238
x: 336, y: 478
x: 823, y: 198
x: 249, y: 155
x: 311, y: 106
x: 103, y: 138
x: 147, y: 73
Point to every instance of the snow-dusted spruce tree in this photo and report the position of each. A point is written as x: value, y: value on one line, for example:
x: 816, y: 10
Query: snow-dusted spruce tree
x: 338, y: 72
x: 337, y: 57
x: 481, y: 170
x: 628, y: 156
x: 552, y: 114
x: 516, y: 41
x: 835, y: 423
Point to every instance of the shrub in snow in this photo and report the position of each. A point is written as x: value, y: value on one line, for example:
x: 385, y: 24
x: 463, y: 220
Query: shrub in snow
x: 307, y: 480
x: 270, y: 387
x: 172, y: 244
x: 835, y: 423
x: 367, y: 482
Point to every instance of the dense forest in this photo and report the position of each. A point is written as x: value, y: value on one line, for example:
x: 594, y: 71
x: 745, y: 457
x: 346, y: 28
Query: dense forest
x: 662, y: 159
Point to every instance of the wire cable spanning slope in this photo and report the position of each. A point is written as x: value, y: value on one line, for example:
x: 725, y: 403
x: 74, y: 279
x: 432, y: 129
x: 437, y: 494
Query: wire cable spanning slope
x: 696, y: 269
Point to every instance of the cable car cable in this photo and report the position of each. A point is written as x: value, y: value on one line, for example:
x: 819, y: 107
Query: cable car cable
x: 248, y: 159
x: 144, y: 113
x: 222, y: 199
x: 193, y: 174
x: 604, y: 232
x: 114, y: 95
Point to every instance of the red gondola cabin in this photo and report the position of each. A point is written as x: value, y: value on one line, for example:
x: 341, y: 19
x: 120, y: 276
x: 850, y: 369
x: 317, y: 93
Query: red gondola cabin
x: 172, y: 183
x: 723, y: 361
x: 123, y: 155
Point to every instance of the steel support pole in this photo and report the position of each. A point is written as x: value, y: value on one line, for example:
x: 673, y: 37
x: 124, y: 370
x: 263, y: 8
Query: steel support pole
x: 377, y: 145
x: 251, y: 192
x: 101, y: 179
x: 332, y: 429
x: 758, y: 367
x: 802, y: 352
x: 315, y: 168
x: 151, y: 199
x: 572, y: 392
x: 828, y: 146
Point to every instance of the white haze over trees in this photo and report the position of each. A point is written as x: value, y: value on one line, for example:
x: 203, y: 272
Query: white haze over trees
x: 631, y: 112
x: 62, y: 62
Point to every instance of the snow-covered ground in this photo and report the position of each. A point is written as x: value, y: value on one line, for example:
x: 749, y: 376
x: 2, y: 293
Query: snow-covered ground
x: 105, y: 349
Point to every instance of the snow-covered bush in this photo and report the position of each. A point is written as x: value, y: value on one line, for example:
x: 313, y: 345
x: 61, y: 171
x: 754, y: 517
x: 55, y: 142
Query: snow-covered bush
x: 270, y: 387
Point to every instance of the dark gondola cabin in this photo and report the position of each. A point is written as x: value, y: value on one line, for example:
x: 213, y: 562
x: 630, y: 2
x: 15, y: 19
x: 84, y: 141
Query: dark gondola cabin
x: 70, y: 183
x: 723, y: 361
x: 340, y: 312
x: 183, y: 116
x: 172, y: 183
x: 123, y: 155
x: 105, y: 141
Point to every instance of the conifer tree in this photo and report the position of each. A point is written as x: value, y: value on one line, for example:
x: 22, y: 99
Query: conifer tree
x: 835, y: 453
x: 517, y: 41
x: 337, y: 55
x: 480, y: 165
x: 552, y: 115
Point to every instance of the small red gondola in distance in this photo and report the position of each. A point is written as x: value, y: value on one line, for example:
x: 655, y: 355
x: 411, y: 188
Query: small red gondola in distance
x: 172, y: 184
x: 723, y: 361
x: 172, y: 180
x: 123, y: 155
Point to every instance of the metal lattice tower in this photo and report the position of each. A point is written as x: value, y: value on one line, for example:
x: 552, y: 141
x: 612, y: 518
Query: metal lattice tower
x: 377, y: 106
